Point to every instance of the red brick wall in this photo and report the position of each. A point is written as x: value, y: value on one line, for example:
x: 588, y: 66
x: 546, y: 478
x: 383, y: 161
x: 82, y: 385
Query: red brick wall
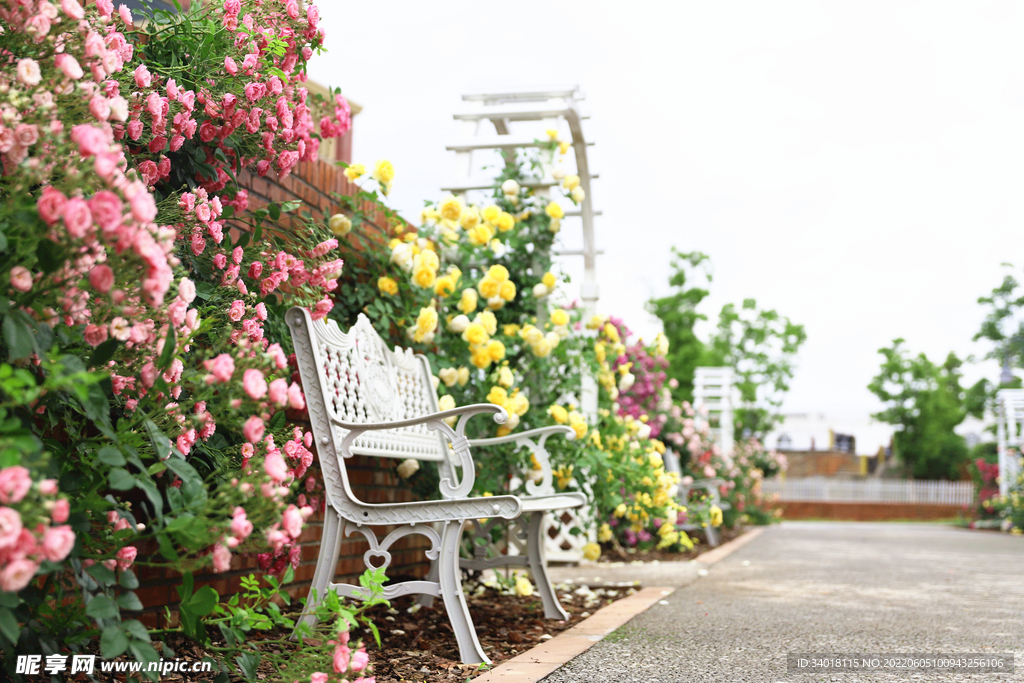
x: 374, y: 480
x: 866, y: 512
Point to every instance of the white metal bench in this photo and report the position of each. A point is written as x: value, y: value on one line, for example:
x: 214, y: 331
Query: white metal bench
x: 710, y: 486
x: 364, y: 399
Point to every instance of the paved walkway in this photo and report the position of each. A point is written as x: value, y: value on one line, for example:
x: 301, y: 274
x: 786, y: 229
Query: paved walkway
x: 820, y: 587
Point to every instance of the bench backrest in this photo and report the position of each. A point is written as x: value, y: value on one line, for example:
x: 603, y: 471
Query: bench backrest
x: 352, y: 376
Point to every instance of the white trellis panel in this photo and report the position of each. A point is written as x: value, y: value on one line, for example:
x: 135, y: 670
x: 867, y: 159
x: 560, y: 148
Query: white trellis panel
x: 532, y: 112
x: 712, y: 392
x: 1010, y: 413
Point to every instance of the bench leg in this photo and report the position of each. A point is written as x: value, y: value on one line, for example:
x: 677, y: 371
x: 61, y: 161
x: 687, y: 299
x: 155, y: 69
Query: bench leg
x: 424, y: 599
x: 326, y: 563
x: 712, y: 534
x: 539, y: 567
x: 450, y: 578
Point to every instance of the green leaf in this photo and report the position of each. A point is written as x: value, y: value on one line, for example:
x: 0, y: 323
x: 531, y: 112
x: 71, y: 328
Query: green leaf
x: 136, y: 629
x: 104, y: 352
x: 18, y: 336
x: 129, y: 601
x: 129, y: 580
x: 48, y: 253
x: 275, y: 211
x: 248, y: 662
x: 9, y: 625
x: 121, y: 479
x: 109, y: 455
x: 102, y: 607
x: 203, y: 601
x: 204, y: 290
x: 170, y: 344
x: 113, y: 642
x: 161, y: 444
x: 103, y: 575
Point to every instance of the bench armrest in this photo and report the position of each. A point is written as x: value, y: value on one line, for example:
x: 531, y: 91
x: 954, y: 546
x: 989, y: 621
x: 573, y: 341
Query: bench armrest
x: 709, y: 485
x: 529, y: 440
x: 457, y: 437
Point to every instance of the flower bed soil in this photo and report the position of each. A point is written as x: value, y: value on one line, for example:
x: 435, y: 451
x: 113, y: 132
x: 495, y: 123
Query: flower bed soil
x: 610, y: 554
x: 421, y: 646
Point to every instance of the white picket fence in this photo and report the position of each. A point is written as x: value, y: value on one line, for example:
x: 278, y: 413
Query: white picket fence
x: 821, y: 489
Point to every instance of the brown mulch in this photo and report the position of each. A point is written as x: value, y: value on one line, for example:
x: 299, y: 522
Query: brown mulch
x: 610, y: 554
x: 506, y: 625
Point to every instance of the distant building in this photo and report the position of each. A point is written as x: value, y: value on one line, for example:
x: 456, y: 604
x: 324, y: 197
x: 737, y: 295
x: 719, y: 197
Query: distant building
x: 819, y: 432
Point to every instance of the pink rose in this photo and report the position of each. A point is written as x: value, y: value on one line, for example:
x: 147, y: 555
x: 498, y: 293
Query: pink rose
x: 279, y: 392
x: 50, y: 204
x: 72, y: 9
x: 135, y: 129
x: 126, y: 556
x: 143, y: 78
x: 186, y: 290
x: 360, y: 659
x: 230, y: 66
x: 15, y: 482
x: 7, y: 140
x: 95, y: 335
x: 69, y: 66
x: 237, y: 310
x: 253, y: 429
x: 28, y: 72
x: 143, y: 207
x: 221, y: 558
x: 274, y: 465
x: 101, y: 277
x: 17, y: 575
x: 318, y: 677
x: 26, y: 134
x: 58, y: 542
x: 10, y: 527
x: 296, y: 401
x: 77, y: 217
x: 61, y: 510
x: 291, y: 521
x: 254, y: 384
x: 341, y: 658
x: 21, y: 278
x: 107, y: 210
x: 48, y: 487
x: 90, y: 140
x: 222, y: 367
x: 241, y: 527
x: 105, y: 7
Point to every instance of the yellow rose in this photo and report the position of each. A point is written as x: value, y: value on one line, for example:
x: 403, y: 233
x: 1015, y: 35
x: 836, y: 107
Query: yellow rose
x: 423, y: 277
x: 510, y: 330
x: 384, y: 172
x: 479, y: 356
x: 353, y: 171
x: 475, y: 334
x: 505, y: 221
x: 487, y: 319
x: 463, y: 376
x: 519, y: 404
x: 530, y: 334
x: 592, y: 552
x: 467, y: 304
x: 620, y: 511
x: 444, y: 285
x: 489, y: 287
x: 559, y: 317
x: 470, y: 218
x: 549, y: 280
x: 498, y: 396
x: 480, y: 235
x: 428, y: 257
x: 554, y: 210
x: 449, y: 376
x: 507, y: 290
x: 491, y: 214
x: 340, y: 225
x: 563, y: 147
x: 451, y: 209
x: 611, y: 332
x: 498, y: 273
x: 558, y: 414
x: 542, y: 349
x: 553, y: 133
x: 505, y: 377
x: 571, y: 182
x: 524, y: 588
x: 426, y: 323
x: 387, y: 286
x: 446, y: 402
x: 604, y: 533
x: 716, y: 515
x: 495, y: 349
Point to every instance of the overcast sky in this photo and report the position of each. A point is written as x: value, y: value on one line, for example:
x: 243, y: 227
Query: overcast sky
x: 856, y: 166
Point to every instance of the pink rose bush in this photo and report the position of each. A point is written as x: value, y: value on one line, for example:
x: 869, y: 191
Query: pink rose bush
x: 143, y: 351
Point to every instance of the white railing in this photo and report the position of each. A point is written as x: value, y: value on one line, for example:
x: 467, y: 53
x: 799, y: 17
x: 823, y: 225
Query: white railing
x: 821, y: 489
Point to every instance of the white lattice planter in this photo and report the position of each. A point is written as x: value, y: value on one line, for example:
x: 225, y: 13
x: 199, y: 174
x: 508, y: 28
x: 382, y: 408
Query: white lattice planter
x: 1010, y: 413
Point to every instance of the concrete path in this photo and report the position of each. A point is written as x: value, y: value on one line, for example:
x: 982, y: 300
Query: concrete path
x: 821, y: 587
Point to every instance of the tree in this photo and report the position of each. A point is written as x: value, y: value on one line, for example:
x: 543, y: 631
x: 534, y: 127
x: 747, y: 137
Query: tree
x: 925, y: 402
x: 760, y: 346
x: 678, y: 315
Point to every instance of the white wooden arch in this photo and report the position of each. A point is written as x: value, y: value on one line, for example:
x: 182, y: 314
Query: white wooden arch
x: 713, y: 393
x: 1010, y: 415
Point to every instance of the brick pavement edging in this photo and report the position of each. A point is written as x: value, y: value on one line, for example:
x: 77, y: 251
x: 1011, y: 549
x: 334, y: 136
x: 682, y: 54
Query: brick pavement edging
x: 541, y: 660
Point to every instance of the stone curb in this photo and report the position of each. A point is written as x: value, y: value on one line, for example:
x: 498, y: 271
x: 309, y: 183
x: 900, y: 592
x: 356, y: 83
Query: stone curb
x: 540, y: 660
